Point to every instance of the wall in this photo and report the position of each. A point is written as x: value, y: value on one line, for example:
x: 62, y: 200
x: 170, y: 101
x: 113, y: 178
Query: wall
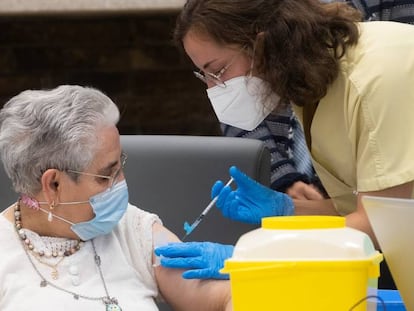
x: 129, y: 57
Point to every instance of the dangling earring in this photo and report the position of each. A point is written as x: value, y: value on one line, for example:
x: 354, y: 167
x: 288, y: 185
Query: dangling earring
x: 50, y: 215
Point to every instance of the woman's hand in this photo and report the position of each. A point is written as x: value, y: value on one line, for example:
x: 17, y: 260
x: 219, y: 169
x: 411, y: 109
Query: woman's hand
x: 302, y: 191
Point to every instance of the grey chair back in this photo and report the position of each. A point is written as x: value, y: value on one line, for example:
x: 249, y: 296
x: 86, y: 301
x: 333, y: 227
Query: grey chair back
x: 172, y: 176
x: 7, y: 194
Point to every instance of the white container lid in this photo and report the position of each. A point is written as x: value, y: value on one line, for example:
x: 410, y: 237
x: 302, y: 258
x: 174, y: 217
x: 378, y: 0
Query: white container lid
x: 299, y: 238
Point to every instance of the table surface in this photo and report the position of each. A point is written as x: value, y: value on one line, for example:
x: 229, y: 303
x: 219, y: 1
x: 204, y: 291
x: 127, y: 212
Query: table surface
x: 392, y: 299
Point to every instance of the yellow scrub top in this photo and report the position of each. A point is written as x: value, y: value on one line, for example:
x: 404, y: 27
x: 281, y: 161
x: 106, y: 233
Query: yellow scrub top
x: 363, y: 129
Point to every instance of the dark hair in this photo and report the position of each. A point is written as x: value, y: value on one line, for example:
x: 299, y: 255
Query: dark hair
x: 297, y: 43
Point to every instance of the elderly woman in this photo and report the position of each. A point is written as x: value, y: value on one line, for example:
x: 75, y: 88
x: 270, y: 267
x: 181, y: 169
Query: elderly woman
x: 72, y: 241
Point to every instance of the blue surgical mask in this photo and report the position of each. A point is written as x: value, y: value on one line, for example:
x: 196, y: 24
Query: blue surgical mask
x: 109, y: 206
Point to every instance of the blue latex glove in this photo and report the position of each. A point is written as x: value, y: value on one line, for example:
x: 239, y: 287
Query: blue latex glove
x: 251, y: 201
x: 202, y: 260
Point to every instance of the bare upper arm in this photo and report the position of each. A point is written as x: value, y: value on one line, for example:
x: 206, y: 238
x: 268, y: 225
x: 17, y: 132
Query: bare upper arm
x: 183, y: 294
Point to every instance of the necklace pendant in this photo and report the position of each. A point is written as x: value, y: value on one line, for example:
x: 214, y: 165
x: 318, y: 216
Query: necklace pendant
x: 55, y: 274
x: 113, y: 307
x: 43, y: 283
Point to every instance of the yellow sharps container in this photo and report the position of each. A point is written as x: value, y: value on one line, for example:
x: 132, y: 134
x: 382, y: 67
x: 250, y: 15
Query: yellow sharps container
x: 298, y: 263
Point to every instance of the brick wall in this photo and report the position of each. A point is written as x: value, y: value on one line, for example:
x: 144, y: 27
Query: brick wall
x: 129, y: 57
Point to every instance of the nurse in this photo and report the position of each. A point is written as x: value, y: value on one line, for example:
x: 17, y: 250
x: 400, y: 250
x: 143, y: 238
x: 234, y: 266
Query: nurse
x: 349, y: 83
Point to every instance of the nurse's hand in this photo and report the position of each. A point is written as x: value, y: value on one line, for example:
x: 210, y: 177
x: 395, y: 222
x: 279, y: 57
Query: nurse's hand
x: 202, y: 260
x: 302, y: 191
x: 251, y: 201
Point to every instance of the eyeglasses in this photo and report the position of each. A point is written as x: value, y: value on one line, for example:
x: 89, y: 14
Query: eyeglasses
x: 216, y: 77
x: 113, y: 178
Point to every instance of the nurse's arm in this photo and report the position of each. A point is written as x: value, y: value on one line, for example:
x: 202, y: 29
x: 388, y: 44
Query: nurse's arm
x: 359, y: 219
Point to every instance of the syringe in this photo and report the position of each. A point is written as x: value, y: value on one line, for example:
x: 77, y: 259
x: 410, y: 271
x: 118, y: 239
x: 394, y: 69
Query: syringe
x: 189, y: 228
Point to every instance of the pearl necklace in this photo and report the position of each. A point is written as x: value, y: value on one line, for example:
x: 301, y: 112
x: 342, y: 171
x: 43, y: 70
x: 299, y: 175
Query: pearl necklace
x: 73, y: 246
x: 111, y: 303
x: 41, y: 255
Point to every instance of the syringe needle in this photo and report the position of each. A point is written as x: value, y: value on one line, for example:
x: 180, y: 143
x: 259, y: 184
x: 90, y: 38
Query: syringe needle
x: 189, y: 228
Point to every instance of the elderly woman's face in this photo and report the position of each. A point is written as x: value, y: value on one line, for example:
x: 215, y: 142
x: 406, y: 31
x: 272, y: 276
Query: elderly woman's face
x: 105, y: 163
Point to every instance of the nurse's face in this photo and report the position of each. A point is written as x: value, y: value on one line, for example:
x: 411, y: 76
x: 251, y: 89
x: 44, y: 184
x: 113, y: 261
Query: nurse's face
x: 217, y: 63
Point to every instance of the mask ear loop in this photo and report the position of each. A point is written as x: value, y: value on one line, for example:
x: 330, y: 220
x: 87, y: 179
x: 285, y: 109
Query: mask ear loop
x: 252, y: 62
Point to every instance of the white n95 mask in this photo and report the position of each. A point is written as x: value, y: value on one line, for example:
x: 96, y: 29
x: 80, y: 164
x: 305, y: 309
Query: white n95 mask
x: 240, y: 103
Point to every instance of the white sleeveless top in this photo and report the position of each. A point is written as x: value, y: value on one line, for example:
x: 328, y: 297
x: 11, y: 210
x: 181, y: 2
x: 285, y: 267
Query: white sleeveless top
x: 125, y: 263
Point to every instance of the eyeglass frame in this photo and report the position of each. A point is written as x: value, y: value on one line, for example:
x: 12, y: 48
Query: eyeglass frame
x: 216, y: 78
x: 115, y: 176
